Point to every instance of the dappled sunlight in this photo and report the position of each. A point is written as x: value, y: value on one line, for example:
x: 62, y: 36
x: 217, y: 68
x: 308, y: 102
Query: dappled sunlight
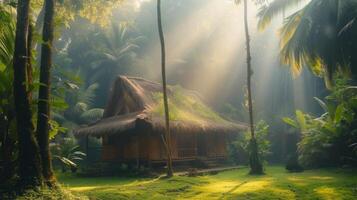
x: 327, y: 193
x: 235, y: 184
x: 298, y: 181
x: 252, y: 186
x: 268, y: 193
x: 219, y: 187
x: 83, y: 189
x: 243, y: 188
x: 322, y: 178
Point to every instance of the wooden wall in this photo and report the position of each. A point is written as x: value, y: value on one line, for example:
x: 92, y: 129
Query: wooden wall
x: 150, y: 147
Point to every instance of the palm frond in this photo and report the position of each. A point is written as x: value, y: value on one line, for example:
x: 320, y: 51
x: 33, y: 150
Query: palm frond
x: 268, y: 11
x: 7, y: 37
x: 92, y: 115
x: 87, y: 95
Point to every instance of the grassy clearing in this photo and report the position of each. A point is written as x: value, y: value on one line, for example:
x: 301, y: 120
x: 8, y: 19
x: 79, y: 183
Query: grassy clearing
x: 277, y: 184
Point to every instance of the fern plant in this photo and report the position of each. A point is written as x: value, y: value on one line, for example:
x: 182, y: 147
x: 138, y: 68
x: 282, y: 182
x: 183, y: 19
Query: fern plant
x: 68, y: 154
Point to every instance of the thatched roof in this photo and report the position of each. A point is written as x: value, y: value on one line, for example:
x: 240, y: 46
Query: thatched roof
x: 137, y: 103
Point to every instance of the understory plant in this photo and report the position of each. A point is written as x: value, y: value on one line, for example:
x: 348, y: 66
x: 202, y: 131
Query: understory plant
x: 329, y: 139
x: 75, y: 101
x: 240, y: 149
x: 68, y: 153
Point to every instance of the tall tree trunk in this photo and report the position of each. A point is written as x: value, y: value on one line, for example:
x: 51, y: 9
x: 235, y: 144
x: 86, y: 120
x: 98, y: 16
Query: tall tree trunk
x: 44, y: 93
x: 29, y: 61
x: 166, y: 105
x: 254, y: 161
x: 29, y: 159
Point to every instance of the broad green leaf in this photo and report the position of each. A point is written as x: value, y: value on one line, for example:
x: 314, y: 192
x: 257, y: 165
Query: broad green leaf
x: 55, y: 128
x: 331, y: 111
x: 322, y: 104
x: 339, y: 112
x: 300, y: 118
x: 68, y: 162
x: 71, y: 85
x: 290, y: 122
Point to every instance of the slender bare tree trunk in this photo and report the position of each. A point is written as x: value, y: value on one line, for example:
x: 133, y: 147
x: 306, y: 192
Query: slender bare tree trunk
x: 29, y: 61
x: 255, y: 164
x: 44, y: 93
x: 249, y: 69
x: 166, y: 106
x: 29, y: 159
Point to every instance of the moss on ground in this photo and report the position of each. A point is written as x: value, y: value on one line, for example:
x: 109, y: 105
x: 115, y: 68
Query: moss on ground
x: 276, y: 184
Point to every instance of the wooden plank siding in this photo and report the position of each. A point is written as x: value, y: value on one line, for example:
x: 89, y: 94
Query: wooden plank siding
x: 149, y: 147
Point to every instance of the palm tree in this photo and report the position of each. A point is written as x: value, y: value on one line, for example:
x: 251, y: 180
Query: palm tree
x: 80, y: 111
x: 29, y: 159
x: 7, y: 141
x: 167, y: 140
x: 320, y: 35
x: 116, y: 46
x: 256, y: 166
x: 43, y: 116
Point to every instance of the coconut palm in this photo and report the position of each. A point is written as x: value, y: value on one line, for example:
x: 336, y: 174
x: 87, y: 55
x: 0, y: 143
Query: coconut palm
x: 117, y: 45
x: 167, y: 137
x: 115, y: 48
x: 320, y: 36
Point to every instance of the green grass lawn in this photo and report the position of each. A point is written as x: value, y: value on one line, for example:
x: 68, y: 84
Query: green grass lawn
x: 276, y: 184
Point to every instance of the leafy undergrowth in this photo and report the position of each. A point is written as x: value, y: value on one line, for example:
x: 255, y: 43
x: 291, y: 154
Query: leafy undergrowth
x: 277, y: 184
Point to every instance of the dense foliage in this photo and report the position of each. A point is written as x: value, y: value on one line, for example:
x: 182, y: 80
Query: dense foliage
x: 240, y: 148
x: 322, y: 41
x: 92, y: 42
x: 68, y: 153
x: 329, y: 139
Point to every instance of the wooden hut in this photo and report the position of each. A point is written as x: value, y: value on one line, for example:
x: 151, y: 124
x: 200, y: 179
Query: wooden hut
x: 133, y: 125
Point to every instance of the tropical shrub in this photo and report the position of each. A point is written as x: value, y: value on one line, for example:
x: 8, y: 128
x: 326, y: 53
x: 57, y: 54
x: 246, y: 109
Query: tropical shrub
x: 328, y: 140
x: 74, y: 101
x: 68, y: 153
x: 240, y: 148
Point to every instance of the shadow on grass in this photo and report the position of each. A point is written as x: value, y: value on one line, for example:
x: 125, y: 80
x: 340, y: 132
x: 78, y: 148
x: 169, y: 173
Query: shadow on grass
x: 276, y: 184
x: 232, y: 190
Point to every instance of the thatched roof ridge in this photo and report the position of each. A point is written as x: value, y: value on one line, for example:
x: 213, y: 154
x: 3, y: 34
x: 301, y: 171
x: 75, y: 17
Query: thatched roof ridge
x: 132, y: 104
